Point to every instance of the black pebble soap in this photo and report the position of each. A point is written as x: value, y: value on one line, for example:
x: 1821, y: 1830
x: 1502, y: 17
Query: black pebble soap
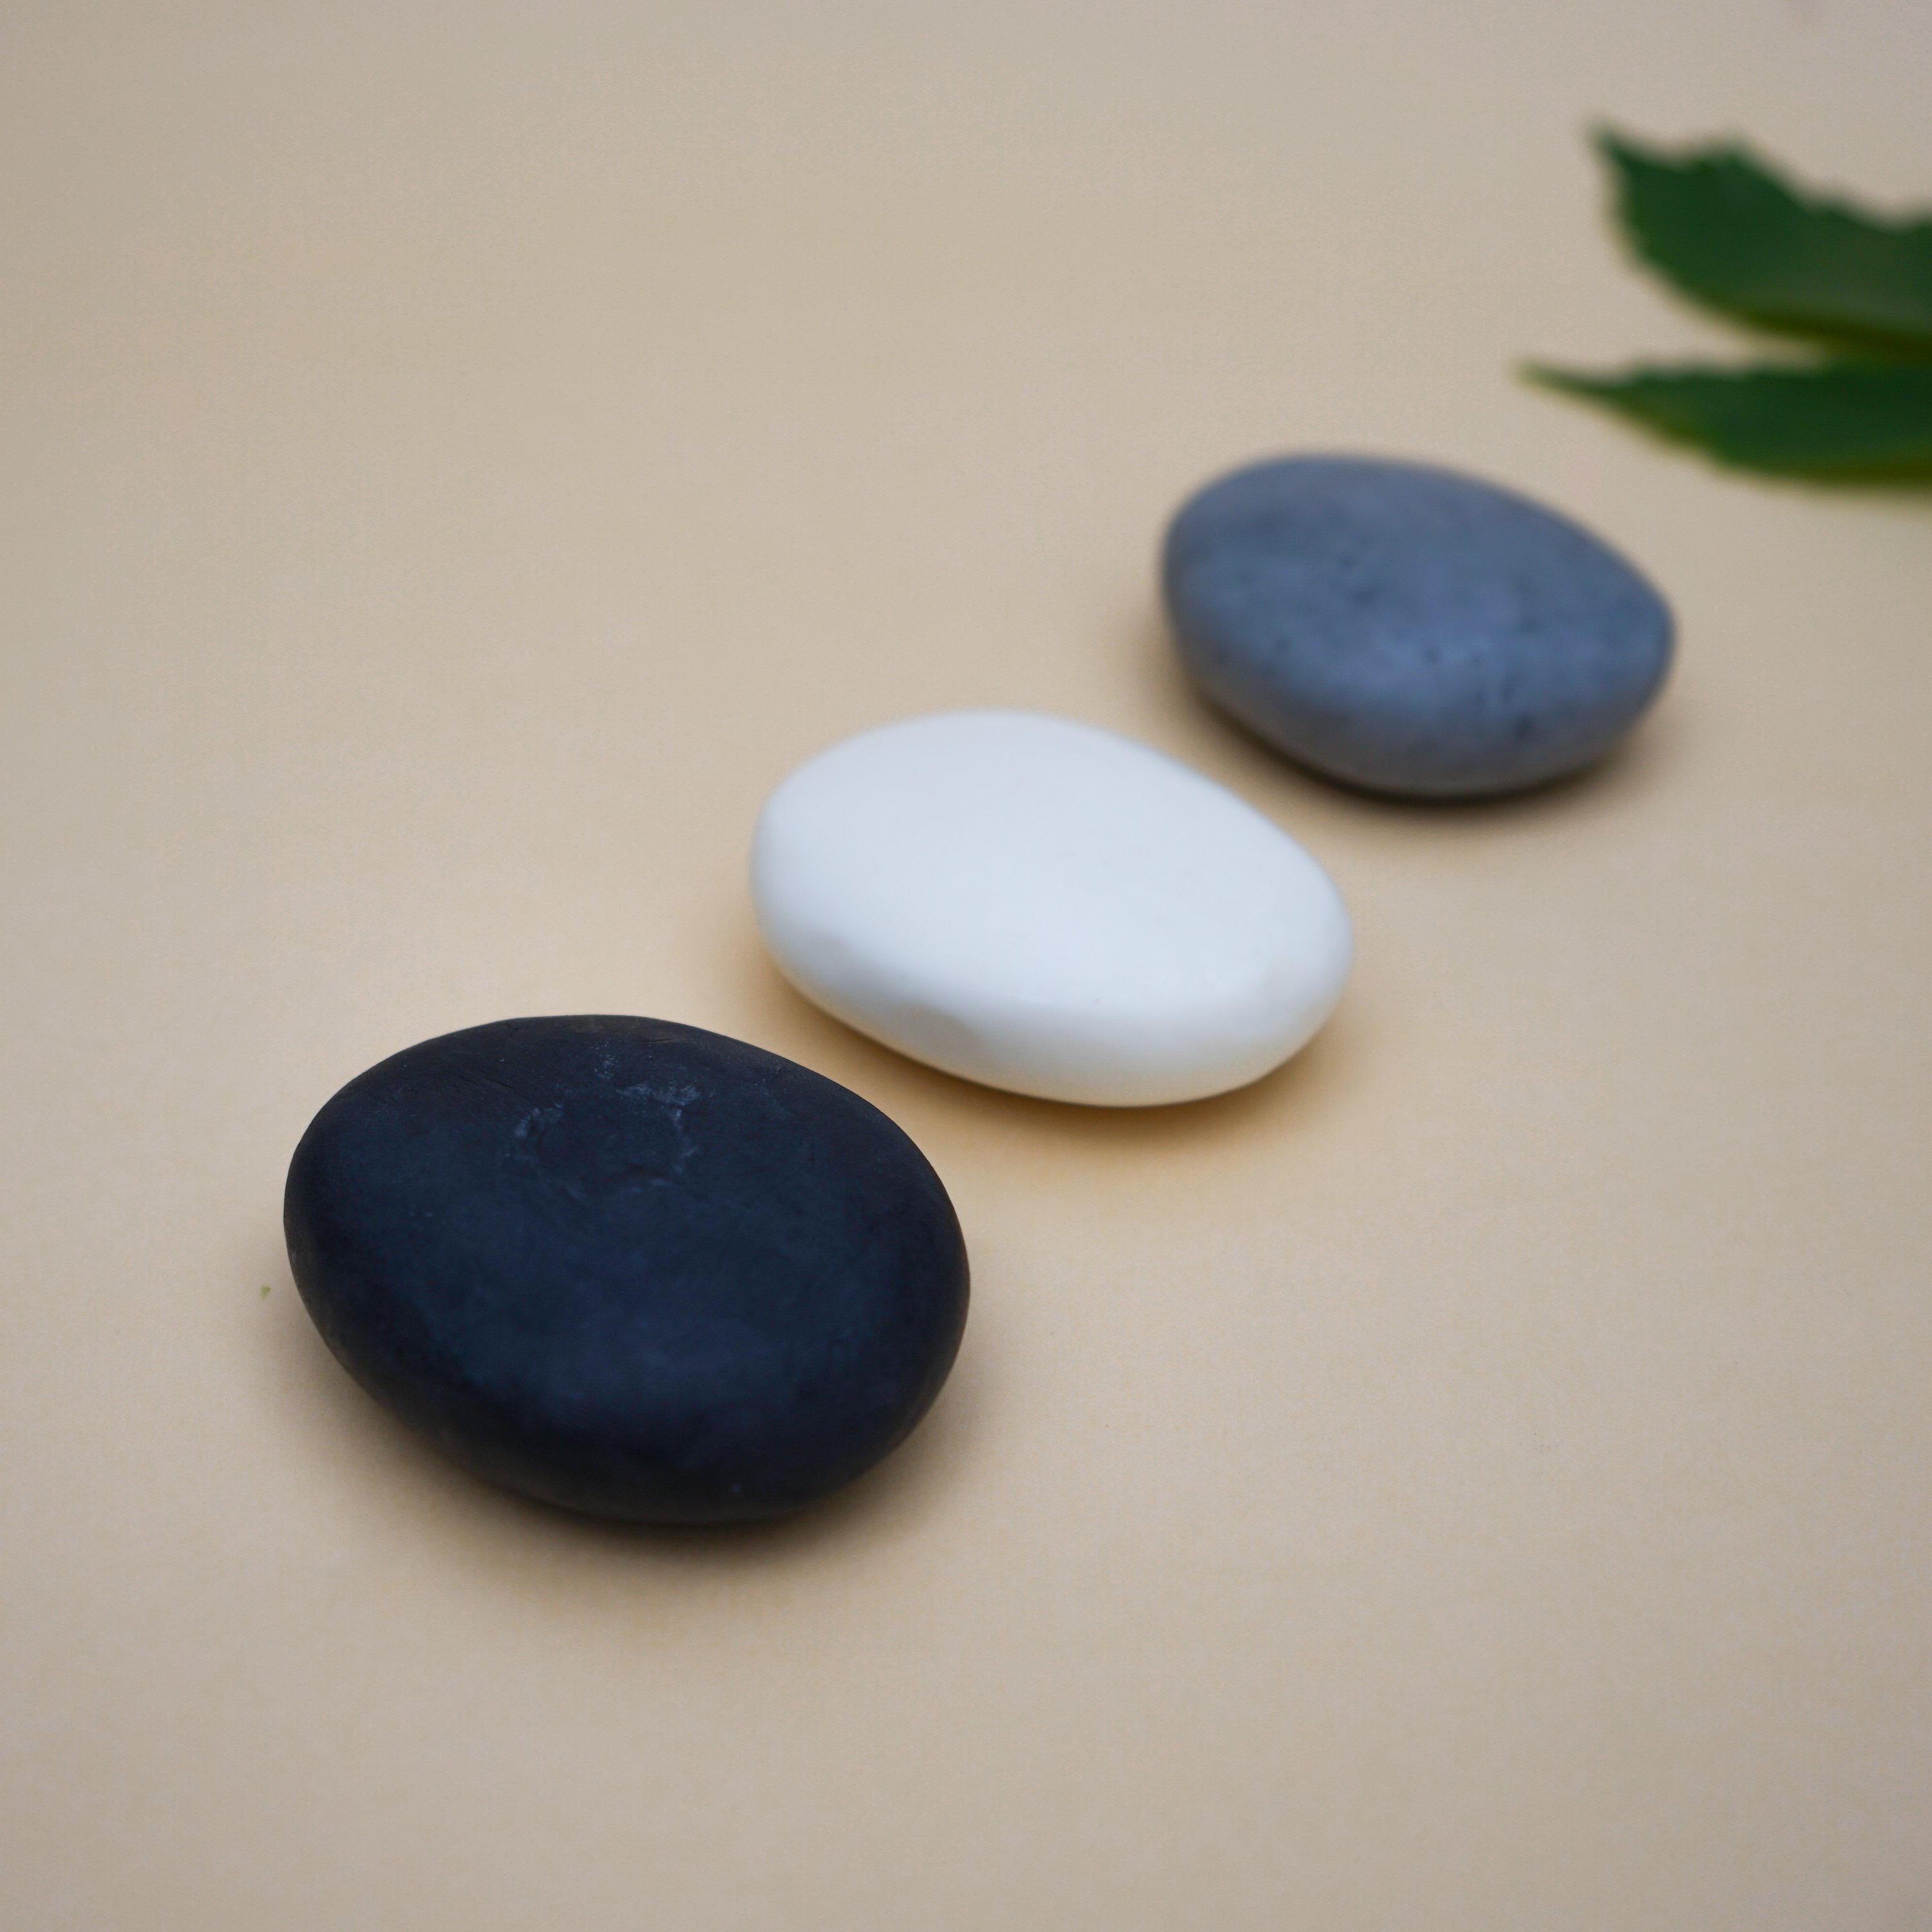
x: 629, y: 1266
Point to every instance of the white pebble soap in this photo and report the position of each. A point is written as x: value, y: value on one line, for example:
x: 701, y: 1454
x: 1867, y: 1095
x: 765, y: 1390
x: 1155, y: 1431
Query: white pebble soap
x: 1042, y: 906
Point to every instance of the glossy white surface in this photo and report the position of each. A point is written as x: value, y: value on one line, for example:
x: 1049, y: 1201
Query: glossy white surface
x: 1045, y: 906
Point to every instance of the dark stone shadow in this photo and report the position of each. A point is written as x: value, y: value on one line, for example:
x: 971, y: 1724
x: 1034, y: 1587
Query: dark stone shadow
x: 501, y: 1532
x: 1638, y: 763
x: 804, y: 1032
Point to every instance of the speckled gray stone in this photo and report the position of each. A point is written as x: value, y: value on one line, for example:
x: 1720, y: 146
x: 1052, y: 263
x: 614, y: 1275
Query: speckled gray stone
x: 1408, y: 630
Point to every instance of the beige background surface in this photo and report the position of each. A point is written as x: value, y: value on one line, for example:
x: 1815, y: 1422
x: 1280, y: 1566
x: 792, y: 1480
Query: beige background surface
x: 456, y: 458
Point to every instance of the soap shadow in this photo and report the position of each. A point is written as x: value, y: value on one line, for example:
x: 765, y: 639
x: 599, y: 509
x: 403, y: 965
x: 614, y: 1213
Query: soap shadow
x: 1638, y: 763
x: 1291, y: 1095
x: 503, y: 1533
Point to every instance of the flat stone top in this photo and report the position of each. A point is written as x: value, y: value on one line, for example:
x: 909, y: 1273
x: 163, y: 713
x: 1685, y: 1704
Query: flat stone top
x: 1049, y: 861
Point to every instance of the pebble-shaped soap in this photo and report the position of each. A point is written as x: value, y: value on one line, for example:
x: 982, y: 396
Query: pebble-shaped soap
x: 1409, y: 630
x: 628, y: 1267
x: 1042, y: 906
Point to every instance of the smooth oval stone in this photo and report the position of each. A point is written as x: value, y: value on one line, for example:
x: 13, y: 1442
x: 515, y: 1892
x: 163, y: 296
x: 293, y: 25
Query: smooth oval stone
x: 1408, y: 630
x: 1041, y: 906
x: 628, y: 1267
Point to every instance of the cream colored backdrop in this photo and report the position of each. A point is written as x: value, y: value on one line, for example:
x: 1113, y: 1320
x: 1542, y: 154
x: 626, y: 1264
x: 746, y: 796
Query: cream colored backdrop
x: 456, y: 458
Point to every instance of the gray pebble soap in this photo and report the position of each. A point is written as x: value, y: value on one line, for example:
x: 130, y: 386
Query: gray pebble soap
x: 1409, y: 630
x: 630, y: 1267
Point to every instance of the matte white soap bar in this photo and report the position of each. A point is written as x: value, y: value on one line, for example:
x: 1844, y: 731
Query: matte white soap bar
x: 1038, y: 905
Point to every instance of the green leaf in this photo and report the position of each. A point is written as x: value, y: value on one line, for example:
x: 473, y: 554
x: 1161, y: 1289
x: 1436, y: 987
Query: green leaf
x: 1732, y: 234
x: 1833, y: 422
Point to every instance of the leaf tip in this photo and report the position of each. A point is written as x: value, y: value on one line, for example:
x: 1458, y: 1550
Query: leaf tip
x: 1614, y: 146
x: 1562, y: 381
